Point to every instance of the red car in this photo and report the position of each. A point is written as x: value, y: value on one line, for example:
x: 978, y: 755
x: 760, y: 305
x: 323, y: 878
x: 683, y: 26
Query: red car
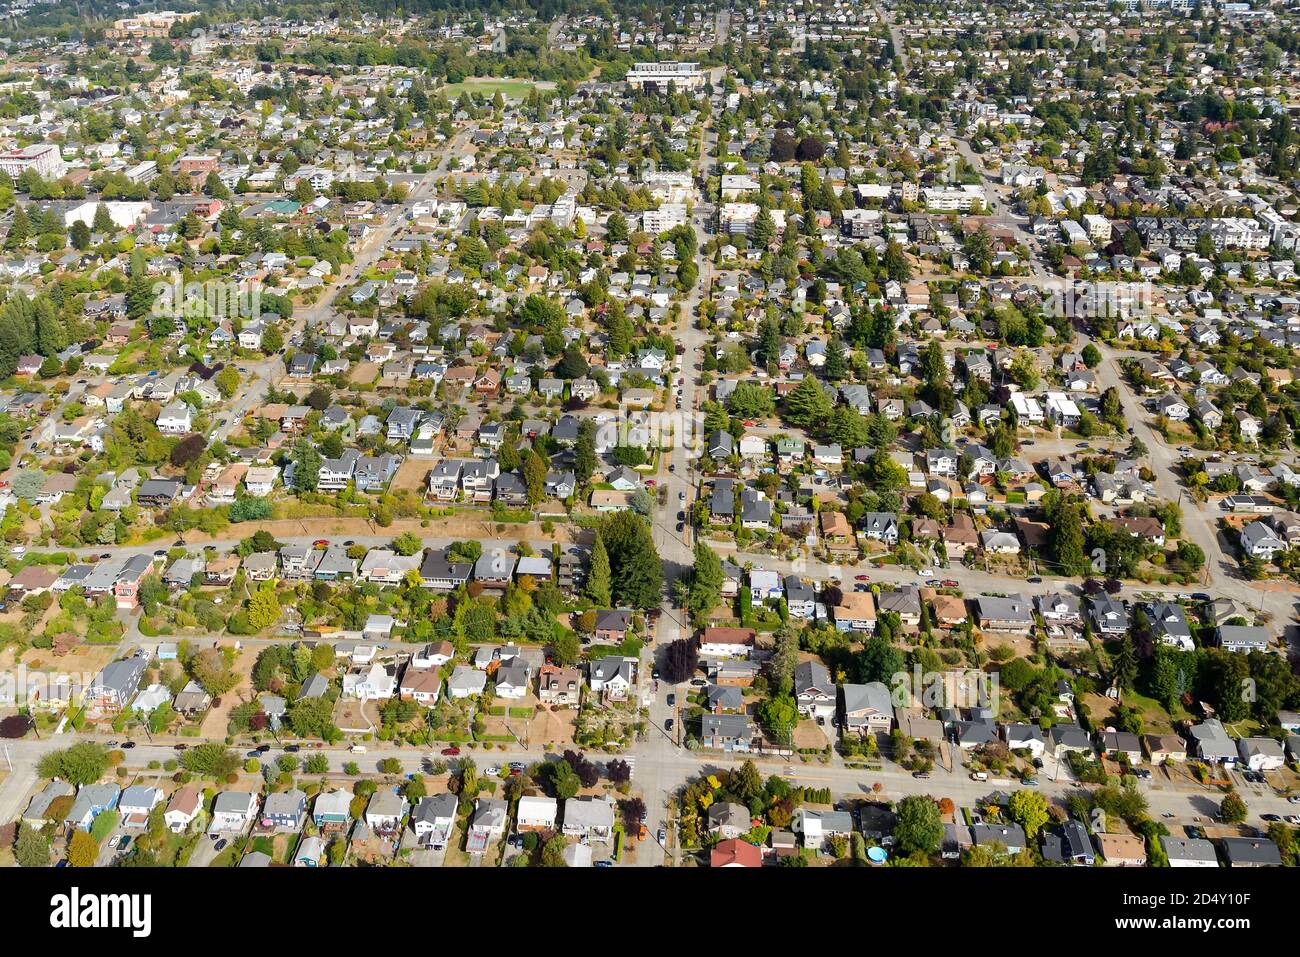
x: 862, y: 578
x: 321, y: 543
x: 451, y: 752
x: 949, y: 583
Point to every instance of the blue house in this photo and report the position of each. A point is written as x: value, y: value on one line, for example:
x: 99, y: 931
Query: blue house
x: 92, y: 801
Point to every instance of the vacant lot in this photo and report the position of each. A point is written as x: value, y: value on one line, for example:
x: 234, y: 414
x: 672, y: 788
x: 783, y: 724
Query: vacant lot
x: 412, y: 474
x: 489, y: 87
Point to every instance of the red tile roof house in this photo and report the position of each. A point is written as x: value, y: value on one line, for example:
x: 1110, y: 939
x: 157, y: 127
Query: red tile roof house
x: 727, y: 642
x: 735, y: 853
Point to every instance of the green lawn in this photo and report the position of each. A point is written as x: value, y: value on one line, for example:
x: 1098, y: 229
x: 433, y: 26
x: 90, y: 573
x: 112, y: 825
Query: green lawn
x: 488, y: 87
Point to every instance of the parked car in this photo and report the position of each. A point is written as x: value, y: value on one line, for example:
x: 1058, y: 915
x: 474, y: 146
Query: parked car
x: 672, y: 700
x: 220, y: 845
x: 668, y: 724
x: 950, y: 583
x: 450, y: 752
x: 292, y: 748
x: 602, y: 864
x: 862, y: 578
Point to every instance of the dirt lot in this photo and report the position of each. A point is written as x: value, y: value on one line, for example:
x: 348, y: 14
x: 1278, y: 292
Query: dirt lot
x: 413, y: 474
x: 553, y: 727
x: 217, y: 718
x: 464, y: 525
x: 808, y: 734
x: 83, y: 658
x: 364, y: 372
x: 354, y: 716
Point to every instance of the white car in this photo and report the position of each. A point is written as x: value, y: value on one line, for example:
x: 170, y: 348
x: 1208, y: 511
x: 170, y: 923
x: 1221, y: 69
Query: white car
x: 925, y: 573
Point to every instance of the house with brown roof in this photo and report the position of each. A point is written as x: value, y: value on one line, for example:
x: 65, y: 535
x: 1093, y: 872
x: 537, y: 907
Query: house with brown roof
x: 727, y: 642
x: 960, y: 536
x: 421, y: 685
x: 559, y: 686
x: 948, y: 611
x: 1122, y: 850
x: 836, y: 528
x: 1145, y: 527
x: 735, y: 853
x: 1165, y: 747
x: 34, y: 579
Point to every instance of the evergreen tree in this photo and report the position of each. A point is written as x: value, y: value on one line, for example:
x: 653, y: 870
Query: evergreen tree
x: 706, y: 582
x: 535, y: 476
x: 636, y: 572
x: 598, y: 575
x: 808, y: 405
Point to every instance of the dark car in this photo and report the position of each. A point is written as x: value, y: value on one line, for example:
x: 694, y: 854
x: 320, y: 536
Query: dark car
x: 1035, y: 580
x: 602, y: 864
x: 921, y: 775
x: 655, y: 674
x: 128, y: 745
x: 292, y: 748
x: 668, y: 724
x: 681, y: 526
x: 179, y: 747
x: 672, y: 700
x: 220, y: 845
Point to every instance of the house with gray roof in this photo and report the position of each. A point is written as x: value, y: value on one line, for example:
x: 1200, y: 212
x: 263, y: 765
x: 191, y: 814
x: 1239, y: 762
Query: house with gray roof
x: 726, y: 732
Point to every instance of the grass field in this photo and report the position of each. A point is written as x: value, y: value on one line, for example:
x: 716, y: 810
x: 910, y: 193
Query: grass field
x: 488, y: 87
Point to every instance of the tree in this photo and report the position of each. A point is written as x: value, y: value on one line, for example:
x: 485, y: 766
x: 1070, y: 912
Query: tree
x: 807, y: 405
x: 836, y: 361
x: 880, y: 659
x: 566, y: 648
x: 31, y: 849
x: 785, y: 656
x: 553, y: 852
x: 584, y: 451
x: 79, y: 235
x: 681, y: 658
x: 227, y: 381
x: 407, y: 543
x: 1029, y: 809
x: 82, y: 849
x: 263, y: 608
x: 1233, y: 808
x: 635, y: 569
x: 211, y: 759
x: 535, y: 469
x: 706, y: 582
x: 778, y: 716
x: 564, y: 780
x: 809, y: 149
x: 306, y: 467
x: 919, y: 829
x: 83, y: 763
x: 598, y: 585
